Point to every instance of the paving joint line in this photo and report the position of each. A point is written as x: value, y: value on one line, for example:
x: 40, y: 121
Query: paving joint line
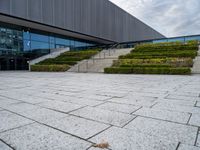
x: 7, y: 144
x: 94, y: 120
x: 168, y: 121
x: 189, y: 118
x: 153, y: 104
x: 17, y: 127
x: 197, y: 136
x: 179, y: 143
x: 100, y: 104
x: 132, y: 113
x: 100, y: 132
x: 129, y: 122
x: 66, y: 132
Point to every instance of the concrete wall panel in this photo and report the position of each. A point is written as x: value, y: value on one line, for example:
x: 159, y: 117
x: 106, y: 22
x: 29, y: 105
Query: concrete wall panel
x: 47, y: 11
x: 97, y: 18
x: 22, y: 12
x: 5, y: 6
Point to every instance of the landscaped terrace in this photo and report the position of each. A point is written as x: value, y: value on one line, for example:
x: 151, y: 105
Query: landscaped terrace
x: 161, y: 58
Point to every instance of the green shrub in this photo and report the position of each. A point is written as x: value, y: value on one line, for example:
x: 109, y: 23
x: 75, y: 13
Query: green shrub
x: 191, y: 45
x: 146, y: 65
x: 70, y: 57
x: 147, y: 55
x: 175, y: 62
x: 118, y: 70
x: 193, y: 42
x: 84, y: 53
x: 49, y: 68
x: 148, y: 70
x: 63, y: 58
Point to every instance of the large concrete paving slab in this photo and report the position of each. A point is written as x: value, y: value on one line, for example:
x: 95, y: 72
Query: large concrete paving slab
x: 9, y: 121
x: 195, y: 120
x: 104, y: 116
x: 109, y: 103
x: 178, y: 108
x: 78, y: 126
x: 167, y: 115
x: 4, y: 102
x: 188, y: 147
x: 21, y: 107
x: 176, y: 102
x: 183, y: 97
x: 3, y: 146
x: 61, y: 106
x: 133, y: 101
x: 198, y: 104
x: 167, y: 130
x: 198, y: 140
x: 122, y: 139
x: 40, y: 137
x: 124, y: 108
x: 43, y: 115
x: 84, y: 101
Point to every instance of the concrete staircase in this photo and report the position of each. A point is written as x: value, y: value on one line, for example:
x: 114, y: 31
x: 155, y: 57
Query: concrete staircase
x: 100, y: 61
x: 196, y: 66
x: 53, y: 54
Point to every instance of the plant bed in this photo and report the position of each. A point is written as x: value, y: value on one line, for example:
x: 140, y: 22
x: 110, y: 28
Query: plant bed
x: 49, y: 68
x: 161, y: 58
x: 148, y: 70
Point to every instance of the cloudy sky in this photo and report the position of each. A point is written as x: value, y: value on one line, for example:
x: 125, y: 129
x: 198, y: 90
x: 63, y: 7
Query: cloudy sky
x: 169, y: 17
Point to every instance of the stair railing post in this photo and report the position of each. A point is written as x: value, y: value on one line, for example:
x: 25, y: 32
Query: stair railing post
x: 78, y: 68
x: 87, y: 66
x: 93, y: 59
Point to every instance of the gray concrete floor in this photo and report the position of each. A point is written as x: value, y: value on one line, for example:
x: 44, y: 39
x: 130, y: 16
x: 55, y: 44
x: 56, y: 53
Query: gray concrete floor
x: 69, y: 111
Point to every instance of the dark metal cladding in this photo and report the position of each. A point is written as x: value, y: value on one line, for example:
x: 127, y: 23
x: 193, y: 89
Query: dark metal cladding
x: 96, y: 18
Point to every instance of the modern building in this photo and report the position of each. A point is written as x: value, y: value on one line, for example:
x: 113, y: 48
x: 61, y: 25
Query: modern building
x: 30, y: 28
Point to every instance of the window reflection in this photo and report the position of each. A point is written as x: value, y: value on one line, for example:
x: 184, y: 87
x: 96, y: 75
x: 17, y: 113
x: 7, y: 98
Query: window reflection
x: 37, y: 37
x: 32, y: 43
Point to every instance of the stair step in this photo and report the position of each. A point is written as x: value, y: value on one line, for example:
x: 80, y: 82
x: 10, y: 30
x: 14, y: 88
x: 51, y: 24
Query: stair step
x: 100, y: 61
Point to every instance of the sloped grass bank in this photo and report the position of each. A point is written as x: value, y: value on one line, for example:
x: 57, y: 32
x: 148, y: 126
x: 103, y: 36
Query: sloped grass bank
x: 63, y: 62
x: 162, y: 58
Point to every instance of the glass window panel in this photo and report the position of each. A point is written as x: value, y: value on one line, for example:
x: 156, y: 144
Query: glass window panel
x: 80, y: 44
x: 52, y: 39
x: 26, y: 35
x: 68, y: 42
x: 3, y: 30
x: 39, y: 45
x: 27, y: 45
x: 72, y: 43
x: 38, y: 37
x: 52, y: 45
x: 176, y: 40
x: 61, y: 41
x: 160, y: 41
x: 192, y: 38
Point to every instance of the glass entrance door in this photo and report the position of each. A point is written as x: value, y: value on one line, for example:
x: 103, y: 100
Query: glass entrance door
x: 13, y: 63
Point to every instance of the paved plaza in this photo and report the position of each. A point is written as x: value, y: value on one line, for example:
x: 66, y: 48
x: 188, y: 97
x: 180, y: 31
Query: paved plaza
x: 71, y: 111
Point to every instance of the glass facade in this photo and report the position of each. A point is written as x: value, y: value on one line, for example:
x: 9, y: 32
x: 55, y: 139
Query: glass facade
x: 18, y: 42
x: 178, y: 39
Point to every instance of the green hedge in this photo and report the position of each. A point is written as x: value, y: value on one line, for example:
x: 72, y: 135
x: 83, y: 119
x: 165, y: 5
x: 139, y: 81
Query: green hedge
x: 191, y: 45
x: 70, y: 57
x: 49, y: 68
x: 146, y: 65
x: 148, y: 70
x: 84, y: 53
x: 176, y: 62
x: 163, y: 54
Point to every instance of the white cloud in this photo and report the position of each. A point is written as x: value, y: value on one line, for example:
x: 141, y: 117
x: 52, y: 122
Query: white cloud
x: 169, y: 17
